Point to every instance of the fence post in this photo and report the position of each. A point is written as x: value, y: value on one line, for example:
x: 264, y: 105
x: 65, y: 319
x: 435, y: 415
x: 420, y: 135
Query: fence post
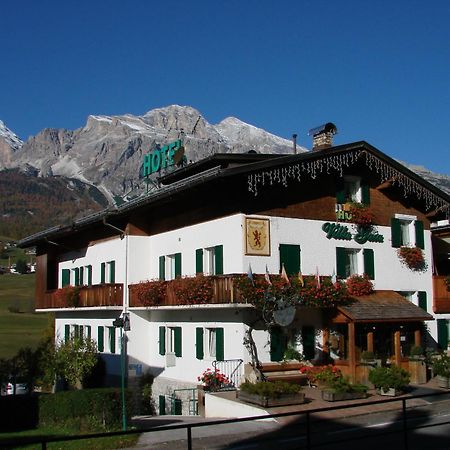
x: 405, y: 425
x: 189, y: 437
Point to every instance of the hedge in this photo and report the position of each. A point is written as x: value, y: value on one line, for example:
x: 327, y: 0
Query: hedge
x: 87, y: 409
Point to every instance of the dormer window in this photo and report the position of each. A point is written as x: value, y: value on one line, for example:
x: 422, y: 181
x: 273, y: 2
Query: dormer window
x: 351, y: 189
x: 407, y: 231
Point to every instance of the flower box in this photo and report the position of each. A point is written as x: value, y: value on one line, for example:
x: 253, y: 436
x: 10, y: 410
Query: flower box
x: 268, y: 402
x: 390, y: 392
x: 443, y: 382
x: 330, y: 395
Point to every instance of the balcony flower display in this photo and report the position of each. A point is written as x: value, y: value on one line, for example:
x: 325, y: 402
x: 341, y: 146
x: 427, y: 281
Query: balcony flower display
x: 413, y: 258
x: 361, y: 214
x: 213, y: 380
x: 304, y: 291
x: 151, y: 293
x: 358, y: 285
x: 68, y: 296
x: 193, y: 290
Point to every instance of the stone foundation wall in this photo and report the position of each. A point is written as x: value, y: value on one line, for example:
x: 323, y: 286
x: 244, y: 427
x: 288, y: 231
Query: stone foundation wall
x: 175, y: 389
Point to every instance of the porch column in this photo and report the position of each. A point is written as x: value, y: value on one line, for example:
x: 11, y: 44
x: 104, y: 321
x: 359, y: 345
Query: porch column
x: 397, y: 348
x: 417, y: 338
x: 351, y: 351
x: 326, y: 342
x: 370, y: 341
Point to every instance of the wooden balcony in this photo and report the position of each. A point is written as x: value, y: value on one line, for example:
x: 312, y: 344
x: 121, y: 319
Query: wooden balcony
x: 221, y: 290
x: 441, y: 296
x: 99, y: 295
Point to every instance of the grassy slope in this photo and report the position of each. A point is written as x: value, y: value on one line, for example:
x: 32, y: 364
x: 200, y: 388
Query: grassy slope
x: 20, y: 329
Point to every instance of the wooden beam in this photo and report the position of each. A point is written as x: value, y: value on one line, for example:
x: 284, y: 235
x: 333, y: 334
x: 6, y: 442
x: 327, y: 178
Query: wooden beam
x: 386, y: 184
x: 397, y: 349
x: 352, y: 351
x: 417, y: 338
x: 370, y: 341
x: 326, y: 341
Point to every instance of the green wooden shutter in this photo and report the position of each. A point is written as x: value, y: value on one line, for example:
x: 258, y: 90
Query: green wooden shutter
x: 199, y: 260
x: 309, y: 343
x: 162, y: 405
x: 422, y: 295
x: 177, y: 407
x: 277, y: 344
x: 177, y: 333
x: 218, y: 255
x: 76, y: 272
x: 396, y: 233
x: 219, y: 344
x: 66, y: 333
x: 290, y: 257
x: 162, y: 268
x: 81, y: 271
x: 65, y: 277
x: 100, y: 338
x: 89, y: 275
x: 112, y: 271
x: 199, y: 343
x: 369, y: 263
x: 442, y: 331
x: 340, y: 191
x: 420, y: 238
x: 112, y: 339
x: 88, y: 331
x: 365, y: 194
x: 162, y: 340
x: 341, y: 258
x: 177, y: 265
x: 102, y: 273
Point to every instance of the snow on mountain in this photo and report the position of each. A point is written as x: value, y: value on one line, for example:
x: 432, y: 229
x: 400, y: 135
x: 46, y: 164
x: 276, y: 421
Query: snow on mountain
x: 9, y: 144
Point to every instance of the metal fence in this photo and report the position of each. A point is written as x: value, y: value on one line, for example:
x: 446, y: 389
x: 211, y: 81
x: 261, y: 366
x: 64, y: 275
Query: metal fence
x: 306, y: 431
x: 232, y: 369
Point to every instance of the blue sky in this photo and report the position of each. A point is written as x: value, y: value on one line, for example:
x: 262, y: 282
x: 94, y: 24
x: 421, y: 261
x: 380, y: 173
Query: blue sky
x: 380, y: 70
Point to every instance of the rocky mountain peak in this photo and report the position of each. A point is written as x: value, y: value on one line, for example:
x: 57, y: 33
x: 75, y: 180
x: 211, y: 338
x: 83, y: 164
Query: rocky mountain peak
x: 9, y: 144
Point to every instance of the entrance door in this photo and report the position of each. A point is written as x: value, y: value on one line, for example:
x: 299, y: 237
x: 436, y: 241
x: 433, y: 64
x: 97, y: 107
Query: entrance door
x: 278, y: 344
x: 309, y: 342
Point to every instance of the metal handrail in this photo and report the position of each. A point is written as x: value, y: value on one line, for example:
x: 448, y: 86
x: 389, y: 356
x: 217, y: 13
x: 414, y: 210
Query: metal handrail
x: 43, y: 440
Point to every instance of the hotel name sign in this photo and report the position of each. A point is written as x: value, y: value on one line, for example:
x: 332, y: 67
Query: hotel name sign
x: 341, y: 232
x: 160, y: 158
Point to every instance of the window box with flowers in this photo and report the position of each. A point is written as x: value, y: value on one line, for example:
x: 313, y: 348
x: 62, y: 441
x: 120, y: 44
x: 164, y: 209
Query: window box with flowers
x: 213, y: 380
x: 68, y: 296
x: 193, y: 290
x: 150, y: 293
x: 358, y: 285
x: 271, y: 393
x: 413, y: 258
x: 361, y: 214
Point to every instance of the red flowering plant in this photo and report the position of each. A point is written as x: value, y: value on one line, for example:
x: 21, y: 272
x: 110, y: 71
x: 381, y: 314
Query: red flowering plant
x: 68, y: 296
x: 324, y: 374
x: 359, y: 285
x: 361, y: 214
x: 213, y: 380
x: 193, y: 290
x: 150, y: 293
x: 413, y: 258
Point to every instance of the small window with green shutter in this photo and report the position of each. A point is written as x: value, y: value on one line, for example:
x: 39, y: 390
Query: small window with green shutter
x: 76, y: 276
x: 162, y: 268
x: 101, y: 338
x: 162, y: 340
x: 199, y: 336
x: 290, y: 258
x: 162, y: 405
x: 66, y: 333
x: 88, y: 275
x: 65, y: 277
x: 81, y: 272
x: 214, y: 344
x: 199, y: 261
x: 369, y: 263
x: 442, y: 332
x: 419, y: 232
x: 112, y: 339
x: 112, y: 271
x: 103, y: 273
x: 177, y: 258
x: 422, y: 300
x: 177, y: 343
x: 348, y: 261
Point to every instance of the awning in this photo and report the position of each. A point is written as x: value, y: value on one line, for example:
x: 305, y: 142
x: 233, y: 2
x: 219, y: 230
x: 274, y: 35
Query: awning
x: 383, y: 306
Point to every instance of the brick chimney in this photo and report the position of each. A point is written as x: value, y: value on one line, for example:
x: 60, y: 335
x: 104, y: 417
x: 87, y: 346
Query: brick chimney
x: 323, y: 136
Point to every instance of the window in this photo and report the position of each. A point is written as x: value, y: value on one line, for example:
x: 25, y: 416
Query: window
x: 111, y: 340
x: 170, y: 267
x: 170, y: 341
x: 210, y: 343
x: 108, y: 272
x: 88, y: 271
x: 209, y: 260
x: 76, y: 331
x: 351, y: 189
x: 290, y: 258
x: 407, y: 231
x: 65, y: 277
x: 351, y: 261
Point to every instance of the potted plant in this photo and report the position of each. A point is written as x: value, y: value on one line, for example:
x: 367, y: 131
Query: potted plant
x: 341, y: 389
x: 213, y: 380
x: 390, y: 381
x: 292, y: 354
x: 441, y: 369
x: 413, y: 258
x: 271, y: 393
x: 361, y: 214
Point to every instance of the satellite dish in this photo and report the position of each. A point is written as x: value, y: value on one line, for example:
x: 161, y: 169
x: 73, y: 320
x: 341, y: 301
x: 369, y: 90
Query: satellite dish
x: 284, y: 315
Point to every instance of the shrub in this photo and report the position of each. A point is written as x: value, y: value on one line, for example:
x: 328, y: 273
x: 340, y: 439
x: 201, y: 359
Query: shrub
x: 389, y: 377
x: 341, y: 385
x: 87, y: 409
x: 415, y: 351
x: 270, y: 389
x: 367, y: 355
x: 441, y: 365
x: 291, y: 353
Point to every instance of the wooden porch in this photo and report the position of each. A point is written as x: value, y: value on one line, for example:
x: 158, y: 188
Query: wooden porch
x: 99, y: 295
x: 441, y: 295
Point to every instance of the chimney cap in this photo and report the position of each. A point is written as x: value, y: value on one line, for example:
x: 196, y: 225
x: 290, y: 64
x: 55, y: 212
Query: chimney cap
x: 325, y: 128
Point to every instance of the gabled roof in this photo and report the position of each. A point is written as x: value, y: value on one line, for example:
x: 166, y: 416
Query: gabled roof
x: 383, y: 306
x: 284, y: 169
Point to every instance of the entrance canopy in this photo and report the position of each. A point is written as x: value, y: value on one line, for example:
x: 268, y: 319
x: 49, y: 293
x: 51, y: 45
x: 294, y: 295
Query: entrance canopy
x: 381, y: 306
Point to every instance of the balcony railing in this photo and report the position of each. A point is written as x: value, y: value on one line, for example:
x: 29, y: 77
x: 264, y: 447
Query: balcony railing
x: 441, y: 296
x: 221, y: 290
x: 90, y: 296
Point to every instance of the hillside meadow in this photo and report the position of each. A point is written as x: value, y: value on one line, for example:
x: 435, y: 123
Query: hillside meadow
x: 20, y: 326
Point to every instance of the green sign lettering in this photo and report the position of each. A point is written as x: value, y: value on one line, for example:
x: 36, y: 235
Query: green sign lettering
x: 341, y: 232
x: 160, y: 158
